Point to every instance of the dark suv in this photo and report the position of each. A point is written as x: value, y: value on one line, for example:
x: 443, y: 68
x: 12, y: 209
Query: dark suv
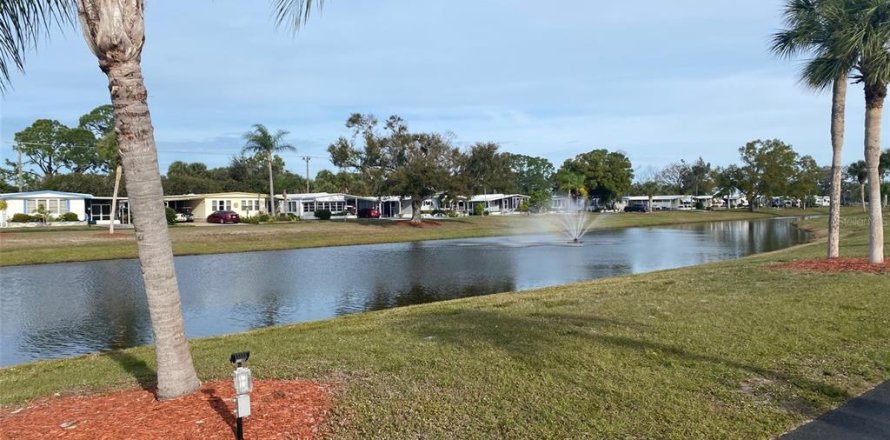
x: 635, y: 208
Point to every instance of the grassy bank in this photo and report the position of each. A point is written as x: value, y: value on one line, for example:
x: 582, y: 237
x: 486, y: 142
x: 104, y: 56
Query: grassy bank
x: 726, y: 350
x: 45, y: 245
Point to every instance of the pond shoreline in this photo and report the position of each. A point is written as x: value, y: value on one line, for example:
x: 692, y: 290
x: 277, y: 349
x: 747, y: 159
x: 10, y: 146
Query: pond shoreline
x: 19, y: 248
x: 104, y: 307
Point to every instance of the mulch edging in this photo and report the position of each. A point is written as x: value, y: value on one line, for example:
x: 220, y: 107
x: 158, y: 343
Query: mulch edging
x: 280, y: 409
x: 834, y: 265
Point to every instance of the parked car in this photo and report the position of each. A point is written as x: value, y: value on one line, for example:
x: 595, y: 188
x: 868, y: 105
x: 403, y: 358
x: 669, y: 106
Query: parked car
x: 184, y: 217
x: 635, y: 208
x: 368, y: 213
x: 224, y: 217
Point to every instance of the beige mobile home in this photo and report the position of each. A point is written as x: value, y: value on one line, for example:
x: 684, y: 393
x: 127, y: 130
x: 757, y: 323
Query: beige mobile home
x: 201, y: 205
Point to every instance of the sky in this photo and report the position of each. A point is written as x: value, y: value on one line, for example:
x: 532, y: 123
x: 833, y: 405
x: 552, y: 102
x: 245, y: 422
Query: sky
x: 659, y: 81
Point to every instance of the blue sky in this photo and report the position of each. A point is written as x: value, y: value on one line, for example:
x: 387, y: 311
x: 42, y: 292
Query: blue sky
x: 660, y: 81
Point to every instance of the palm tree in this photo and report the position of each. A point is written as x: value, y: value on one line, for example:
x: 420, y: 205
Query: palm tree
x: 811, y: 26
x: 869, y: 37
x: 114, y: 31
x: 261, y: 142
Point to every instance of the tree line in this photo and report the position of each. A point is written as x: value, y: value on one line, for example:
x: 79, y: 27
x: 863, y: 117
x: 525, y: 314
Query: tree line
x: 389, y: 159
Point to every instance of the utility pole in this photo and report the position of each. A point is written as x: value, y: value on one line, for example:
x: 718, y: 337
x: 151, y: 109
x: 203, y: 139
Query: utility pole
x: 21, y: 178
x: 307, y: 159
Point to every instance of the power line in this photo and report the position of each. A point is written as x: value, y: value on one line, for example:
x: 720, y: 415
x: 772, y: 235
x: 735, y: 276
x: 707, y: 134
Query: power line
x: 159, y: 150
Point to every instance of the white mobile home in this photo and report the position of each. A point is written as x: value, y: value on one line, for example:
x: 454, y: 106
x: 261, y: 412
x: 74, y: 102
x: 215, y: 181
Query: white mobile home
x: 305, y: 205
x: 659, y: 202
x: 54, y: 203
x: 497, y: 204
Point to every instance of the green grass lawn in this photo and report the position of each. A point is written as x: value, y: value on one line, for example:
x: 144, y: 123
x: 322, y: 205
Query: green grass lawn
x: 48, y: 245
x: 726, y: 350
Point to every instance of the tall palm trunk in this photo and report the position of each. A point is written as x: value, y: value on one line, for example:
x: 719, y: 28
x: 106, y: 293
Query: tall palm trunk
x: 176, y: 373
x: 271, y: 188
x: 874, y: 103
x: 115, y: 32
x: 117, y: 184
x: 838, y: 102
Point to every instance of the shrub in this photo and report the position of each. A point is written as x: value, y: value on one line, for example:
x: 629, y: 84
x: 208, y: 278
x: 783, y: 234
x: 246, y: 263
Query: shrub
x: 40, y: 215
x: 451, y: 213
x: 253, y: 220
x: 21, y: 218
x: 283, y: 217
x: 479, y: 209
x: 699, y: 205
x: 292, y: 217
x: 263, y: 218
x: 68, y: 217
x: 323, y: 214
x: 171, y: 215
x: 523, y: 207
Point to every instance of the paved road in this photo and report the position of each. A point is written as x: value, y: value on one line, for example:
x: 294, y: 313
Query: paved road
x: 866, y: 417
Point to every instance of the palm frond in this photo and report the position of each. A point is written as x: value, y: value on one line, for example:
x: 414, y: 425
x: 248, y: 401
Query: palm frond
x: 260, y: 140
x: 294, y: 13
x: 825, y: 30
x: 278, y: 141
x: 821, y: 72
x: 22, y: 22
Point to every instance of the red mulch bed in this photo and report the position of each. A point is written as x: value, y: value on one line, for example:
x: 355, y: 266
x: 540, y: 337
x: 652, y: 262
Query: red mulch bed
x: 834, y: 265
x: 280, y: 409
x: 423, y: 224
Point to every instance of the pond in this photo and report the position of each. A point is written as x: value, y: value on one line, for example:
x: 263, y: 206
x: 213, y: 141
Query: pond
x: 59, y: 310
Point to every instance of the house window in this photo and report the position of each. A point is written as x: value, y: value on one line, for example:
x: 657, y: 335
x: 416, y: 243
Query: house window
x: 308, y: 207
x: 330, y: 206
x: 101, y: 212
x: 221, y: 205
x: 250, y: 205
x: 292, y: 206
x: 52, y: 206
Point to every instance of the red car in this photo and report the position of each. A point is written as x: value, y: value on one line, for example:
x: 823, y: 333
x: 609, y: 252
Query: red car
x: 224, y: 217
x: 368, y: 213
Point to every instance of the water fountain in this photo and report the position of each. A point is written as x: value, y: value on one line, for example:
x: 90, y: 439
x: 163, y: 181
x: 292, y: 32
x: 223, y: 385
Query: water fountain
x: 575, y: 221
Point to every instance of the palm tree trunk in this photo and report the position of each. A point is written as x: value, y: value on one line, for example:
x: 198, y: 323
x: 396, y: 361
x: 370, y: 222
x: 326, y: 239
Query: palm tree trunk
x: 176, y: 373
x: 874, y: 103
x: 838, y: 103
x: 271, y: 188
x: 117, y: 184
x: 415, y: 209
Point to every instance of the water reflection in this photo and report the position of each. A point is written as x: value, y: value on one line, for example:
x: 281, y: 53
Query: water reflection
x: 52, y: 311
